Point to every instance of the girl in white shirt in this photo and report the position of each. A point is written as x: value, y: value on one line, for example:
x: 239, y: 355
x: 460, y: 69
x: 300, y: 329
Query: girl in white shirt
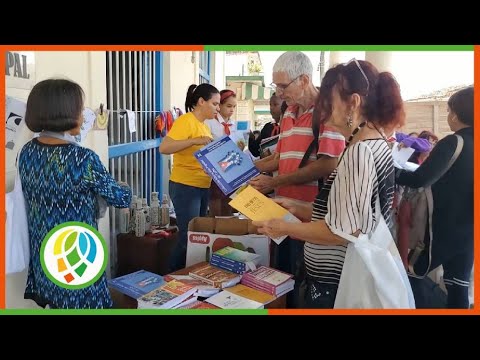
x: 220, y: 126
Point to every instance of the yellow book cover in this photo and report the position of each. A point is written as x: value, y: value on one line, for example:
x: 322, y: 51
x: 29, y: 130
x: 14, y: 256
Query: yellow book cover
x: 256, y: 206
x: 252, y: 294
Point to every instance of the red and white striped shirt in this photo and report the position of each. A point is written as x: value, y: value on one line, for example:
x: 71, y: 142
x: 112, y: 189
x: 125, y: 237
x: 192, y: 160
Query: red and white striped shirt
x: 295, y: 137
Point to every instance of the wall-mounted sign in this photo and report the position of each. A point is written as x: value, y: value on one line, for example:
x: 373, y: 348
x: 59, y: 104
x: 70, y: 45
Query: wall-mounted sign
x: 20, y: 69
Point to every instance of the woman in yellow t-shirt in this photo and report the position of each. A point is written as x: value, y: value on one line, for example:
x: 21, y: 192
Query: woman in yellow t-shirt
x: 189, y: 184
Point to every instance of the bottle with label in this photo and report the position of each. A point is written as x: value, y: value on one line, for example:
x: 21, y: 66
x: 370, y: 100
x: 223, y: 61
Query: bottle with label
x: 139, y: 219
x: 146, y: 211
x: 165, y: 212
x: 154, y: 209
x: 124, y: 220
x: 133, y: 205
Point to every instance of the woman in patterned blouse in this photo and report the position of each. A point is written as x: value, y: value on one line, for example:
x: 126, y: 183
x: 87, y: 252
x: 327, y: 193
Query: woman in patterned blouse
x: 60, y: 182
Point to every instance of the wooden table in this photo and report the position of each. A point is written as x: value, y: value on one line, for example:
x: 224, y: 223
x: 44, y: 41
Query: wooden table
x: 122, y: 301
x: 150, y: 252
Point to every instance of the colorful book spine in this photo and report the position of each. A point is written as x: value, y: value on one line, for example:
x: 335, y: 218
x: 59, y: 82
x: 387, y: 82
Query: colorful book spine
x: 259, y: 286
x: 229, y: 266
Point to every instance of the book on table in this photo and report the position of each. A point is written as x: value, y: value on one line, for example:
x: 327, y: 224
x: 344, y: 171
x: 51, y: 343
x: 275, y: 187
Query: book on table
x: 251, y: 293
x: 137, y: 284
x: 235, y: 260
x: 167, y: 296
x: 229, y: 300
x: 215, y: 276
x: 203, y: 289
x: 270, y: 280
x: 228, y: 166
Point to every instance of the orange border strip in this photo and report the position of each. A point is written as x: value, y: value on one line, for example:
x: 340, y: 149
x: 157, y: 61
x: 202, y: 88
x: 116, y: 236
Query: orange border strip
x: 2, y: 187
x: 476, y: 177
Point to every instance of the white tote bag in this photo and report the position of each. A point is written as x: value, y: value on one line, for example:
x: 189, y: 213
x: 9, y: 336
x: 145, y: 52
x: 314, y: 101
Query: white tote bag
x: 17, y: 240
x: 373, y: 275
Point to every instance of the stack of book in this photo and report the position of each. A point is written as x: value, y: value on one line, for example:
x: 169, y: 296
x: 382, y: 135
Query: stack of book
x: 137, y: 284
x: 166, y: 296
x: 215, y: 276
x: 229, y: 300
x: 203, y: 289
x: 270, y: 280
x: 235, y: 260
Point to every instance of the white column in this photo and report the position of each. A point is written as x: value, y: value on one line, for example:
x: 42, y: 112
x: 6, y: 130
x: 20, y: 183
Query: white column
x: 381, y: 59
x: 335, y: 58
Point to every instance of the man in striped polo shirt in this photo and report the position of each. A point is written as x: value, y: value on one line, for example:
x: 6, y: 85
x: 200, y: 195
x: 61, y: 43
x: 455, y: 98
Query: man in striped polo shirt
x: 292, y: 80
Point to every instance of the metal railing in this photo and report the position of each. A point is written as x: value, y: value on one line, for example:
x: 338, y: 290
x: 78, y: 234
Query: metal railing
x: 134, y: 82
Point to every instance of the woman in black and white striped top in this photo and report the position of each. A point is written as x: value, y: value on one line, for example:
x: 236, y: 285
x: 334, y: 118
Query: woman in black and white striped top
x: 369, y: 103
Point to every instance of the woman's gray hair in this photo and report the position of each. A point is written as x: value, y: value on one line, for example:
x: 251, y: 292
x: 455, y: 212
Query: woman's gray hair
x: 294, y: 63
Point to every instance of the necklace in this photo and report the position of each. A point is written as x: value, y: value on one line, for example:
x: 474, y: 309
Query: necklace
x: 382, y: 134
x: 347, y: 143
x: 354, y: 132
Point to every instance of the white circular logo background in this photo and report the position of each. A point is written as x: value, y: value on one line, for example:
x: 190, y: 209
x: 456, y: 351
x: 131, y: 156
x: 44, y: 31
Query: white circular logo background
x: 73, y: 255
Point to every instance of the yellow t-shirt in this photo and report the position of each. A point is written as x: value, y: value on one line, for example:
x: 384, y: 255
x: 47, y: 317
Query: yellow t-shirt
x: 186, y: 168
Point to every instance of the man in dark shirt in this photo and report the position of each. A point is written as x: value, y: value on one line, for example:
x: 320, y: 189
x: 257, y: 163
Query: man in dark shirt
x: 270, y: 129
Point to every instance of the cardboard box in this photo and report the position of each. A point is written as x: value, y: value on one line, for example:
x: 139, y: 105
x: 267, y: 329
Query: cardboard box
x: 207, y: 235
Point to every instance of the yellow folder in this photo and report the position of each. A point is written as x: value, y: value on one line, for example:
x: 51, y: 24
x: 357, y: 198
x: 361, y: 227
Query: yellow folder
x: 256, y: 206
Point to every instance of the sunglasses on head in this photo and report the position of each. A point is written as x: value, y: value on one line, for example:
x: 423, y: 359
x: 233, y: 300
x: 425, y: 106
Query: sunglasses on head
x: 361, y: 70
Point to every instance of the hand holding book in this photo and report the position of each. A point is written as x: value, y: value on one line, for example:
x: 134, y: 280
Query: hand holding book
x: 300, y: 209
x: 273, y: 228
x: 263, y: 183
x: 260, y: 208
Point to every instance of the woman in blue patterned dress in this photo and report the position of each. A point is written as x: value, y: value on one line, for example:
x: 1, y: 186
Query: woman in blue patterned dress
x: 60, y: 183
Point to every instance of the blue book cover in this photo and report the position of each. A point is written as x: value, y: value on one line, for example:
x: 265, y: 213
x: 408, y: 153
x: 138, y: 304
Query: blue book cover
x: 237, y: 269
x: 228, y: 166
x: 137, y: 284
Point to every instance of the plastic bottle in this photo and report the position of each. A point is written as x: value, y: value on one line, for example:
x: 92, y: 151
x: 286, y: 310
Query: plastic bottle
x: 124, y: 220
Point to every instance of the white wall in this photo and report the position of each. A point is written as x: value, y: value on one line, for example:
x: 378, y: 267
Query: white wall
x: 89, y: 70
x: 236, y: 64
x: 218, y: 69
x: 179, y: 74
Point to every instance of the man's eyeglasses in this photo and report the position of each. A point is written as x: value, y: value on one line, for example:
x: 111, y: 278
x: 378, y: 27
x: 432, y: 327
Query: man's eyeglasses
x: 282, y: 87
x: 361, y: 70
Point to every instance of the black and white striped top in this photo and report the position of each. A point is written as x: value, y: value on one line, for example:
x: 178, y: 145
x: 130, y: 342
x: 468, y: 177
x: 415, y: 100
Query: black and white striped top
x: 360, y: 177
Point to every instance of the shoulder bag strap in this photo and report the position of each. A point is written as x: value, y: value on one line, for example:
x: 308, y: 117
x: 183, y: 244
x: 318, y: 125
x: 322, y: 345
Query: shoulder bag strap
x: 452, y: 160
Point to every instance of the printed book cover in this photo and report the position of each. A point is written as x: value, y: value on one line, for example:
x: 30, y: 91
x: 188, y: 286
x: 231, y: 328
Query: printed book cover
x: 137, y: 284
x: 167, y: 296
x: 257, y: 207
x: 228, y: 300
x: 238, y: 255
x: 215, y: 276
x: 269, y: 145
x: 228, y: 166
x: 251, y: 293
x: 270, y: 280
x: 269, y: 276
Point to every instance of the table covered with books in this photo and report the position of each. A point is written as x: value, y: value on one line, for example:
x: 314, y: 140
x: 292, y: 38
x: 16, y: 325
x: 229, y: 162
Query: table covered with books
x: 241, y: 289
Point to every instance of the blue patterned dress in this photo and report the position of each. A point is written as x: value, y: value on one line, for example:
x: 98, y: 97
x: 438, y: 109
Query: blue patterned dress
x: 60, y: 183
